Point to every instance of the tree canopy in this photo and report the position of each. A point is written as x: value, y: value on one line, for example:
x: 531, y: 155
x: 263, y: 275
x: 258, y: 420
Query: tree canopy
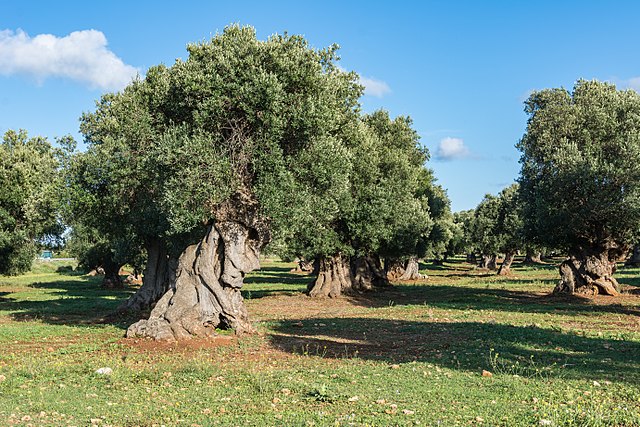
x: 30, y: 185
x: 580, y: 177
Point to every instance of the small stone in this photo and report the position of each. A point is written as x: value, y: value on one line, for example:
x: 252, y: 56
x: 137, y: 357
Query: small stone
x: 2, y: 378
x: 381, y: 401
x: 479, y: 419
x: 50, y: 349
x: 26, y: 418
x: 354, y: 399
x: 95, y: 421
x: 276, y: 400
x: 545, y: 422
x: 285, y: 391
x: 596, y: 384
x: 408, y: 412
x: 395, y: 366
x: 104, y: 371
x: 206, y: 411
x: 486, y: 373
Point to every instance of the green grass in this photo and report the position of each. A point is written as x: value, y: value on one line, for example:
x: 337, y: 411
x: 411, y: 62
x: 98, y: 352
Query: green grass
x: 412, y: 354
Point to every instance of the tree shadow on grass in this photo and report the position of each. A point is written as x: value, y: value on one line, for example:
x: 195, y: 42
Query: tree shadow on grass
x: 460, y: 297
x: 77, y: 301
x: 274, y: 281
x: 468, y: 346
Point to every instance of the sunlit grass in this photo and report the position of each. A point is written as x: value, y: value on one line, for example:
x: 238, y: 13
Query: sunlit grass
x: 413, y: 354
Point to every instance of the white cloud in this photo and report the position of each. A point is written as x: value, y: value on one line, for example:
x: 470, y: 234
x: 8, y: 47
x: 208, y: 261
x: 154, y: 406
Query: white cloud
x: 374, y: 87
x: 82, y: 56
x: 451, y: 148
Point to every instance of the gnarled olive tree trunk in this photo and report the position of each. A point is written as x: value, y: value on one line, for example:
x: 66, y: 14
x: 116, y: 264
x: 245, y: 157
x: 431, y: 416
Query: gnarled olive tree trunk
x: 205, y: 291
x: 532, y: 257
x: 111, y: 277
x: 412, y: 270
x: 589, y: 271
x: 485, y: 261
x: 394, y: 268
x: 402, y: 271
x: 334, y: 277
x: 303, y: 266
x: 368, y: 273
x: 505, y: 267
x: 158, y: 275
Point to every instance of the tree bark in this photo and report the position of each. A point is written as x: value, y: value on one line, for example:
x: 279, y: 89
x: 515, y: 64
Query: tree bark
x: 409, y: 270
x: 532, y: 258
x: 158, y: 275
x: 505, y: 267
x: 205, y: 292
x: 634, y: 259
x: 589, y: 271
x: 334, y: 277
x: 368, y: 273
x: 471, y: 258
x: 112, y: 277
x: 303, y: 266
x: 394, y: 268
x: 493, y: 265
x: 484, y: 261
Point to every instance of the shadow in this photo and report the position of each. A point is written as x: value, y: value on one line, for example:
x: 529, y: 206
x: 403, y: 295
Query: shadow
x: 270, y: 282
x: 249, y: 294
x: 80, y: 301
x: 468, y: 346
x: 68, y: 270
x: 460, y: 297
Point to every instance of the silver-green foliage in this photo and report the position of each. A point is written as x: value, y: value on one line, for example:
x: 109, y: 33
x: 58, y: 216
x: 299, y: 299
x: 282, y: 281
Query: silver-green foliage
x: 29, y: 190
x: 580, y: 176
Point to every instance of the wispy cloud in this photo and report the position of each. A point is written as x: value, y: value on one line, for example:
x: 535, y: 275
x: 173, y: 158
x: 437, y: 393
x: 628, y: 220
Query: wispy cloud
x: 375, y: 87
x: 632, y: 83
x: 81, y: 56
x: 451, y: 148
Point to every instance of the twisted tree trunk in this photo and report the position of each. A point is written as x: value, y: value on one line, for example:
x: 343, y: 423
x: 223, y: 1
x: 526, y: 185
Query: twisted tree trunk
x: 493, y: 262
x: 303, y: 266
x: 484, y: 261
x: 111, y: 277
x: 368, y: 273
x: 505, y: 267
x: 394, y: 268
x: 412, y: 270
x: 204, y: 293
x: 589, y: 271
x: 409, y: 270
x: 334, y: 277
x: 158, y: 275
x: 532, y: 257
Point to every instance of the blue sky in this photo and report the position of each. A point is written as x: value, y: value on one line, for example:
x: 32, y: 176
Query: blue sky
x: 460, y: 69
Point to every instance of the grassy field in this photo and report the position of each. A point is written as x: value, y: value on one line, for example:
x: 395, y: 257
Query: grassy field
x: 413, y: 354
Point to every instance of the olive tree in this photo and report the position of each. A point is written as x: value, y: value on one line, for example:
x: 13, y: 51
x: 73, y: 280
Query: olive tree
x: 198, y: 161
x: 484, y: 238
x: 580, y: 179
x: 29, y: 197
